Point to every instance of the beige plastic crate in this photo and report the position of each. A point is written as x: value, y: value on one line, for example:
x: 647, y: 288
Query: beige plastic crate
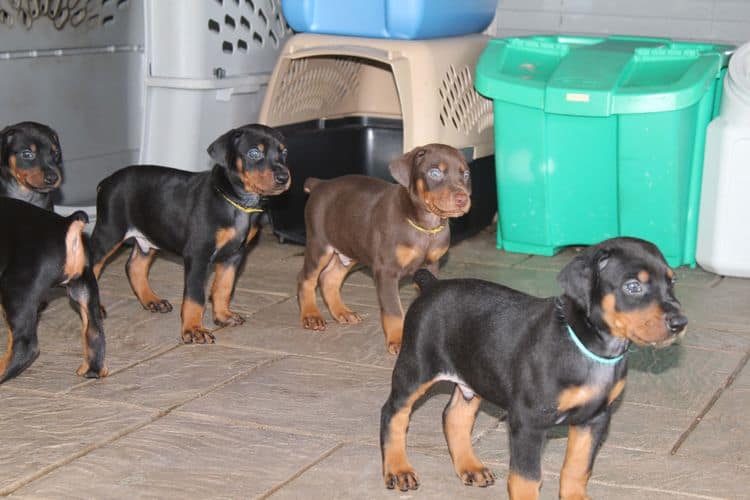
x: 428, y: 84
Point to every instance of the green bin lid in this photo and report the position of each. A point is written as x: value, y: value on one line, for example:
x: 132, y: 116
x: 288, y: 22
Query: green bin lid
x: 592, y: 76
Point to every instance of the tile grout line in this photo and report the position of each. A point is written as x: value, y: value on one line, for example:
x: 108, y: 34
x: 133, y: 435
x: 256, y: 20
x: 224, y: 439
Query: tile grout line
x: 11, y: 488
x: 698, y: 418
x: 16, y: 485
x: 300, y: 472
x: 120, y: 370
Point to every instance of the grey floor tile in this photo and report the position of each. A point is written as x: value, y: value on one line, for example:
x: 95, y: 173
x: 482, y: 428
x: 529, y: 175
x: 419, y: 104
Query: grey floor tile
x: 176, y: 376
x: 679, y: 377
x: 724, y: 306
x: 354, y: 471
x: 40, y: 431
x: 722, y: 435
x: 321, y: 397
x: 363, y: 343
x: 177, y: 457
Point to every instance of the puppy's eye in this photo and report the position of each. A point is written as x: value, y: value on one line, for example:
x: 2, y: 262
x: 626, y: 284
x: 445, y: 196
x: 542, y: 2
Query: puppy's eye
x: 283, y: 155
x: 467, y: 176
x: 435, y: 173
x: 255, y: 154
x: 633, y: 287
x: 28, y: 155
x: 56, y: 155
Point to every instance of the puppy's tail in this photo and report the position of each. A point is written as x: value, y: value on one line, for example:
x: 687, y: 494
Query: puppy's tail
x: 424, y: 279
x: 310, y: 184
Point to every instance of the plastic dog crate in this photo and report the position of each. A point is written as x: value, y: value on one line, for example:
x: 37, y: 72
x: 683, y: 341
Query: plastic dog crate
x: 400, y: 19
x: 350, y: 105
x: 600, y: 137
x: 128, y: 81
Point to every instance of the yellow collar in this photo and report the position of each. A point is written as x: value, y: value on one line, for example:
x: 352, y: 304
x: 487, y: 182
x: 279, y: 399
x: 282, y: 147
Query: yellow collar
x: 416, y: 226
x: 247, y: 210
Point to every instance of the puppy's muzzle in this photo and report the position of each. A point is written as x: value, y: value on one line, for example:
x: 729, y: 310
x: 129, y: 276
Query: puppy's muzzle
x: 676, y: 323
x: 281, y: 175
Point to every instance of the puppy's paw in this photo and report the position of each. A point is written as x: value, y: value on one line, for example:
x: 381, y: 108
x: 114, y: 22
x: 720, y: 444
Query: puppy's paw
x: 347, y: 317
x: 198, y: 335
x: 162, y: 306
x: 85, y: 371
x: 229, y: 319
x: 404, y: 480
x: 480, y: 476
x: 313, y: 321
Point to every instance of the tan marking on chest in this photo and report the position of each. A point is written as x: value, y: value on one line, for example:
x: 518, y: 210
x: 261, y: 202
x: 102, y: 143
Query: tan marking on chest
x: 577, y: 396
x: 75, y: 254
x: 406, y: 255
x: 224, y: 236
x: 434, y: 254
x: 615, y: 392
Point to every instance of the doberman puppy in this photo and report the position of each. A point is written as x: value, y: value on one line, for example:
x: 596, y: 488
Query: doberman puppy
x: 40, y: 249
x: 393, y: 228
x: 207, y: 218
x: 30, y: 163
x: 559, y: 360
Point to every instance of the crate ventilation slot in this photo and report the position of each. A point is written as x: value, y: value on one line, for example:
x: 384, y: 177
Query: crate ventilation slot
x: 63, y: 14
x: 315, y: 85
x: 241, y: 24
x: 462, y: 107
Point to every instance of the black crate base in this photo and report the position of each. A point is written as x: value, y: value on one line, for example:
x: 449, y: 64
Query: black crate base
x: 360, y: 145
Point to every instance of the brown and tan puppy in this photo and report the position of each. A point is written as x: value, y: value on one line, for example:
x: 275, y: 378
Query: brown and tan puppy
x: 394, y: 229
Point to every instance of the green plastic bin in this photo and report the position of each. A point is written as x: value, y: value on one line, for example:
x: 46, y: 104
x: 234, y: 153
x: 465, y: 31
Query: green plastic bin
x: 600, y: 137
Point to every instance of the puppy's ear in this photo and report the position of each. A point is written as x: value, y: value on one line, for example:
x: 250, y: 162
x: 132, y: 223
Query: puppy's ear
x: 219, y: 149
x: 6, y: 137
x: 579, y: 277
x: 400, y: 168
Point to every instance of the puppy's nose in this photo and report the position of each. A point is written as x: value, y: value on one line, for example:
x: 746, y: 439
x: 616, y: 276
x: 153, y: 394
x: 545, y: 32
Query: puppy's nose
x: 677, y: 323
x: 281, y: 176
x: 50, y: 178
x: 461, y: 199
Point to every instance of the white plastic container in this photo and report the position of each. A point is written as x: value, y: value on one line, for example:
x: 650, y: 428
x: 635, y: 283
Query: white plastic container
x: 723, y: 245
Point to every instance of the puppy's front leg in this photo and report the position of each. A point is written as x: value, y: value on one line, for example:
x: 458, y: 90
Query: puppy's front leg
x: 391, y: 312
x: 194, y: 300
x: 583, y: 443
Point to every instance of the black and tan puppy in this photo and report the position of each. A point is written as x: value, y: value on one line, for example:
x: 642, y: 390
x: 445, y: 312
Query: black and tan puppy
x: 393, y: 228
x: 207, y: 218
x: 30, y: 163
x: 560, y: 360
x: 40, y: 249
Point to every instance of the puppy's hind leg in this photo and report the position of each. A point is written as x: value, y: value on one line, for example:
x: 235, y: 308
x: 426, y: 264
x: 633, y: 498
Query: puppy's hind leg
x: 317, y: 258
x: 137, y: 269
x: 105, y: 240
x: 394, y: 424
x: 84, y: 292
x: 331, y: 280
x: 21, y: 312
x: 458, y: 421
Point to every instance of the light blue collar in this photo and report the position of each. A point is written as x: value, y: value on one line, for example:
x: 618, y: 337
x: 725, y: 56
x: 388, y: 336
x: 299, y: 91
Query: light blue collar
x: 591, y: 355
